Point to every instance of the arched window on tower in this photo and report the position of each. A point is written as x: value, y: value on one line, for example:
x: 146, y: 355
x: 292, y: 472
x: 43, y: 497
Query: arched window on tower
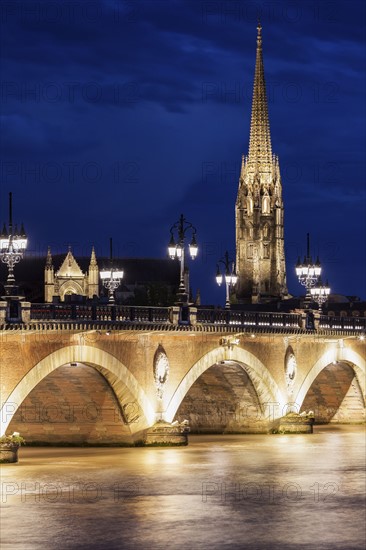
x: 250, y: 230
x: 266, y: 204
x: 249, y: 204
x: 266, y: 231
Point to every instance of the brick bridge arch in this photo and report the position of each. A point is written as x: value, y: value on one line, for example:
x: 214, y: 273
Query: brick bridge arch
x: 123, y: 383
x: 265, y: 386
x: 344, y: 355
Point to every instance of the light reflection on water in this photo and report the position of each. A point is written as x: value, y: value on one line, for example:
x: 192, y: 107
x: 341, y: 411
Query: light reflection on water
x: 249, y: 491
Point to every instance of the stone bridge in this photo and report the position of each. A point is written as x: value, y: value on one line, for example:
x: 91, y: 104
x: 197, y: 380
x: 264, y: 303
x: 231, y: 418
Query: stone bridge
x: 104, y: 375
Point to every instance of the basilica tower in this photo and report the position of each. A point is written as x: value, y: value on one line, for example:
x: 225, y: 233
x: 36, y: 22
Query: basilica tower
x: 260, y: 256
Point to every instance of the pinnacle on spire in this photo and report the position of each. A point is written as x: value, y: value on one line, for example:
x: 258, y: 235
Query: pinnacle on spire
x: 259, y: 34
x: 93, y: 258
x: 49, y: 258
x: 260, y: 151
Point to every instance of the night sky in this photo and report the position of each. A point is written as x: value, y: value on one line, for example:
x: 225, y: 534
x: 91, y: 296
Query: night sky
x: 116, y: 117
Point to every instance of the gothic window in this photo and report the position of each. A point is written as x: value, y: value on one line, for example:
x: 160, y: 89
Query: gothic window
x: 250, y: 230
x: 266, y: 206
x: 278, y: 216
x: 266, y: 250
x: 249, y: 204
x: 250, y: 251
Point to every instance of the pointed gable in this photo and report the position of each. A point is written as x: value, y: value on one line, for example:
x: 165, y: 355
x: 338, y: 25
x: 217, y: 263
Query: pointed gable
x: 70, y: 268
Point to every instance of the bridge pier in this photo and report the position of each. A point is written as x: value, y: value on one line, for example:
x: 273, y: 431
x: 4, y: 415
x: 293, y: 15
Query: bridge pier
x: 167, y: 433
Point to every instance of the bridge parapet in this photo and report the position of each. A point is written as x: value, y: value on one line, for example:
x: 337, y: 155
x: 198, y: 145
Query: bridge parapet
x: 117, y: 317
x: 75, y: 312
x: 249, y: 318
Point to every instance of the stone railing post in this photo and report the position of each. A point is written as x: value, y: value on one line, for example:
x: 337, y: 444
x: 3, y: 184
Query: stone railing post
x: 174, y: 312
x: 25, y: 311
x: 193, y: 316
x: 3, y: 306
x: 316, y: 319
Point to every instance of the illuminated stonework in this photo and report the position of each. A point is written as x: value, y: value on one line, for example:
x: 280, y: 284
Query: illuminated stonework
x: 260, y: 257
x: 290, y: 370
x: 161, y: 371
x: 70, y: 279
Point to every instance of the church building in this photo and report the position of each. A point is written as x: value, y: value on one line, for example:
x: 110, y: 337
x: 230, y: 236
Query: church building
x: 70, y: 279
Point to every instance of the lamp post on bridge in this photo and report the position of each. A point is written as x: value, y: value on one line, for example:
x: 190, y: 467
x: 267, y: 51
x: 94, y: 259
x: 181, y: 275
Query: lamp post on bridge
x: 320, y: 293
x: 176, y: 249
x: 308, y: 272
x: 230, y: 276
x: 13, y: 244
x: 111, y: 277
x: 309, y: 275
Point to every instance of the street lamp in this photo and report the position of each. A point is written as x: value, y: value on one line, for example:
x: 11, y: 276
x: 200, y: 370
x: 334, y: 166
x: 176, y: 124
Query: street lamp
x: 308, y: 272
x: 320, y: 292
x: 111, y: 277
x: 12, y: 246
x: 230, y: 276
x: 176, y: 250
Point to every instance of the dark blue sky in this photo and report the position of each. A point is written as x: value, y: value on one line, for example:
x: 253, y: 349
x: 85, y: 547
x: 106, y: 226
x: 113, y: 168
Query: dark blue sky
x: 116, y: 117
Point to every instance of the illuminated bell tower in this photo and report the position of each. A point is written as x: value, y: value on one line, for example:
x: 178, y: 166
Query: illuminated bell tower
x: 260, y: 256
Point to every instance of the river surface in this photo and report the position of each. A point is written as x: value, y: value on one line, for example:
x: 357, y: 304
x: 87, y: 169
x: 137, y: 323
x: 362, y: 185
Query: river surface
x: 221, y: 491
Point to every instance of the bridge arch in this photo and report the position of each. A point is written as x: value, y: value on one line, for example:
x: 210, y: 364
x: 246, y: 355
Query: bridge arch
x: 264, y: 385
x: 122, y: 381
x: 346, y: 355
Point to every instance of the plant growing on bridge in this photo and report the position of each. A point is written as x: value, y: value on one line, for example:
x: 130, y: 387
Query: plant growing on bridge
x: 14, y: 440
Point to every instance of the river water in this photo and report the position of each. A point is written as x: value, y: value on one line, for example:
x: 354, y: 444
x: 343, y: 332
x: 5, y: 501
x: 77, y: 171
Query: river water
x: 232, y: 491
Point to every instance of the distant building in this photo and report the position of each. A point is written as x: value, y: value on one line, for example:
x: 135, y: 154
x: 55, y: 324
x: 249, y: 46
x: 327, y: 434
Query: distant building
x: 146, y: 281
x: 69, y: 279
x: 345, y: 306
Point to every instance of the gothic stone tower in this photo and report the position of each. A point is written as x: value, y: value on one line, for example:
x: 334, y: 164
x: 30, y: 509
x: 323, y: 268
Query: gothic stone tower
x: 260, y: 257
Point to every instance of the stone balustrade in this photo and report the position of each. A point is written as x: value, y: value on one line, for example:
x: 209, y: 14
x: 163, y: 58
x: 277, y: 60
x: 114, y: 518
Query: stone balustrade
x: 110, y: 317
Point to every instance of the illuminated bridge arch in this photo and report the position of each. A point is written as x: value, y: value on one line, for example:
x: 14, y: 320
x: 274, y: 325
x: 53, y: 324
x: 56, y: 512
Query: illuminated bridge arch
x: 347, y: 356
x: 264, y: 385
x: 122, y: 381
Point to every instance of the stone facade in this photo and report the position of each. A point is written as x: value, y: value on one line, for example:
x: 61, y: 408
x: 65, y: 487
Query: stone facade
x: 260, y: 257
x: 70, y: 279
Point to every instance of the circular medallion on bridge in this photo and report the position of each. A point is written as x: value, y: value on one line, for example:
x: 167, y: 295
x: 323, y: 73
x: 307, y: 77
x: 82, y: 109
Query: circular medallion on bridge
x: 290, y: 369
x: 161, y: 370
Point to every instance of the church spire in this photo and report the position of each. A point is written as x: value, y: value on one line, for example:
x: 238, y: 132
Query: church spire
x: 260, y: 151
x: 260, y: 256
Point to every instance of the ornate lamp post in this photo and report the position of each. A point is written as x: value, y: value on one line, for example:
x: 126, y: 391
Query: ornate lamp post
x: 308, y: 272
x: 230, y: 276
x: 111, y: 277
x: 320, y: 292
x: 12, y: 246
x: 176, y: 250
